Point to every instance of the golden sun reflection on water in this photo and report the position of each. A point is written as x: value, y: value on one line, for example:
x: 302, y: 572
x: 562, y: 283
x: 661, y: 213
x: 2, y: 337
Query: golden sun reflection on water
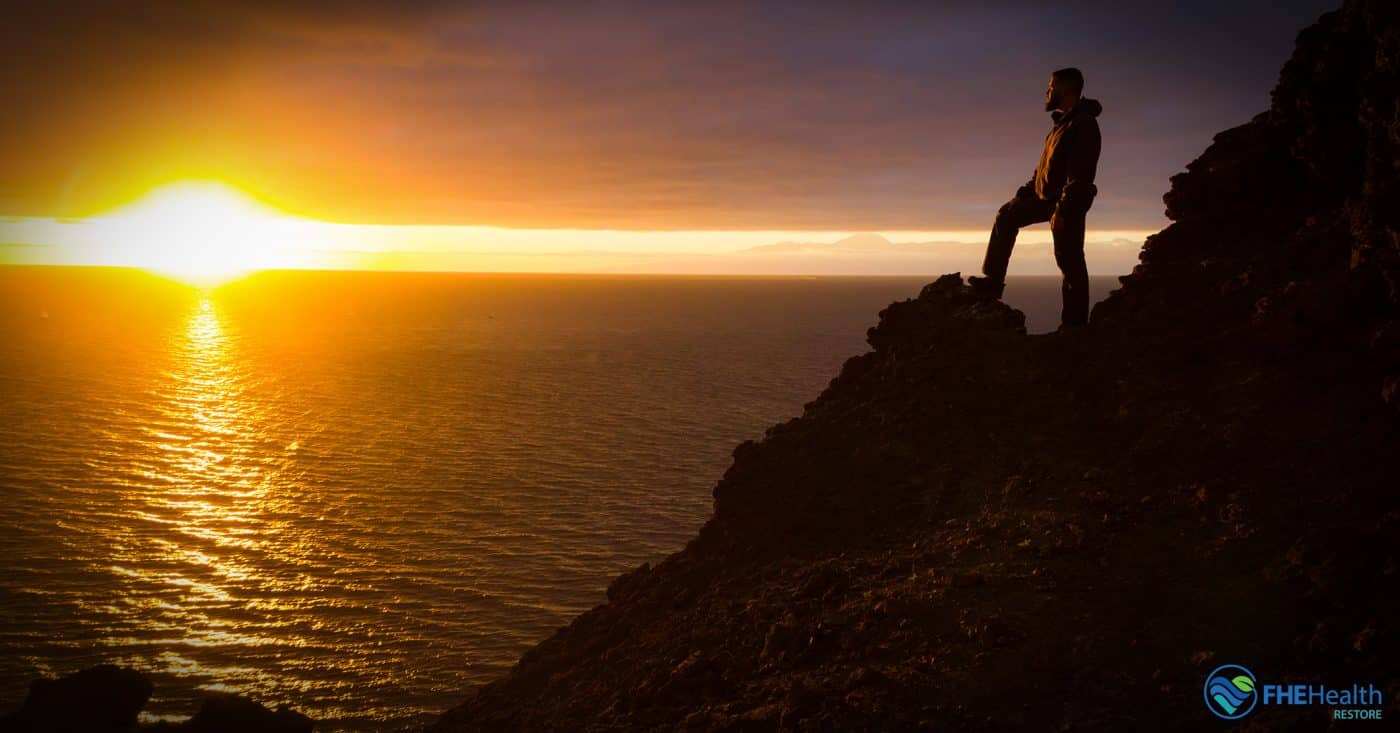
x: 362, y: 495
x: 209, y: 492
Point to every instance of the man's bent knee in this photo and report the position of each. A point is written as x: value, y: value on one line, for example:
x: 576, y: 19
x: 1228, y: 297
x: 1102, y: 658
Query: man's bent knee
x: 1007, y: 217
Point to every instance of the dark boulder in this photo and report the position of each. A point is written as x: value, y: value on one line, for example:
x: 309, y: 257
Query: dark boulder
x: 234, y: 714
x: 109, y: 698
x: 104, y: 698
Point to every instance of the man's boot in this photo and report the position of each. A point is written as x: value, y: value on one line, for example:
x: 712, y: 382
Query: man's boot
x: 986, y: 287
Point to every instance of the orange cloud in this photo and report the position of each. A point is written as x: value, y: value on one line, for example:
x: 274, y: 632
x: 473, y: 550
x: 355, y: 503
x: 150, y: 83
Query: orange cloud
x: 608, y: 115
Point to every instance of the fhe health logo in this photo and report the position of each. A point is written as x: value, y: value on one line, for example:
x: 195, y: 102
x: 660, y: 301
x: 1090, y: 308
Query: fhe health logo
x: 1232, y: 692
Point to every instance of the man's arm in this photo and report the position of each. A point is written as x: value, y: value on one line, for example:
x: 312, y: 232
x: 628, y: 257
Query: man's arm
x: 1079, y: 190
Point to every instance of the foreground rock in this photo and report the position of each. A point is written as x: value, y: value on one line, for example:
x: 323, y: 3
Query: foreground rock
x: 108, y: 698
x: 976, y: 529
x: 233, y: 714
x: 104, y: 698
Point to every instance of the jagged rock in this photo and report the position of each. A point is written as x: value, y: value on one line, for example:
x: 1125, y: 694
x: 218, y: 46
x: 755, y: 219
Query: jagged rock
x: 945, y: 310
x: 234, y: 714
x: 103, y: 698
x: 110, y: 698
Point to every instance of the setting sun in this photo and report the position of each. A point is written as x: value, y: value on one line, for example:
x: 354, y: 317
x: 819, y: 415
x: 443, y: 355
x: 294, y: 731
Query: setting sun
x: 202, y: 233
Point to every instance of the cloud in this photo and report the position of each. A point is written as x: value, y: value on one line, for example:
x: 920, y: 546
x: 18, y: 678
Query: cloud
x: 612, y: 114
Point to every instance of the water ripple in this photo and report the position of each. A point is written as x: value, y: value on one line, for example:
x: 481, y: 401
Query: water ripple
x: 358, y: 494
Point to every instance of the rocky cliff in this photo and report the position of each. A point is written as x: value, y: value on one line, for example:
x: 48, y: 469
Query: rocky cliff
x: 972, y: 528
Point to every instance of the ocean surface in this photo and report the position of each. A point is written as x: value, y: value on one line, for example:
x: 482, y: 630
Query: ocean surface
x: 364, y: 494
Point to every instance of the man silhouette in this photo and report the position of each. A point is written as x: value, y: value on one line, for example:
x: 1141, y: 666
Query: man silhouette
x: 1060, y: 192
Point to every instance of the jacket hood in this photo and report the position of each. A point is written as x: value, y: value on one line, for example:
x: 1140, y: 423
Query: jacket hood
x: 1085, y: 106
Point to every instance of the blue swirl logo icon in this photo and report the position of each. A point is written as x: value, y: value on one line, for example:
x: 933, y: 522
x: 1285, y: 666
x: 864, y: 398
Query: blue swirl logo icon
x: 1230, y: 692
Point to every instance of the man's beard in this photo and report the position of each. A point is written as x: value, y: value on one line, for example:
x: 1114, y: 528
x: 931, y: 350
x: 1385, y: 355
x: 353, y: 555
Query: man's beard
x: 1053, y: 103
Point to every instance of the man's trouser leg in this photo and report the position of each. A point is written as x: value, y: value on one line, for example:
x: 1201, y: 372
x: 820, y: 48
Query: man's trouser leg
x: 1013, y: 215
x: 1069, y: 255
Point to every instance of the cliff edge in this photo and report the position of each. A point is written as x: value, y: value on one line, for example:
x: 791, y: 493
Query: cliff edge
x: 976, y: 529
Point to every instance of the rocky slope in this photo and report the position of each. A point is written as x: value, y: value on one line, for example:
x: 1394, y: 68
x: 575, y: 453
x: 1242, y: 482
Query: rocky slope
x: 973, y: 528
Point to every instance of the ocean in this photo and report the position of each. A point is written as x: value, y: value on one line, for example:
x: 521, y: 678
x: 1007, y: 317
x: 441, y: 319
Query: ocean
x: 362, y: 494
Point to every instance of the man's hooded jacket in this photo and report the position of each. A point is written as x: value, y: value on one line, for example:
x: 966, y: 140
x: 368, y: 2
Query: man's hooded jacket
x: 1065, y: 174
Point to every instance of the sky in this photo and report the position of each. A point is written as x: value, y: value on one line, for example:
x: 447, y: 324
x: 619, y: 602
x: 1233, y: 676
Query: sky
x: 797, y: 121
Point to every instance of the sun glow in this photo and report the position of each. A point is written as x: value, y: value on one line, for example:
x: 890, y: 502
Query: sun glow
x: 202, y: 233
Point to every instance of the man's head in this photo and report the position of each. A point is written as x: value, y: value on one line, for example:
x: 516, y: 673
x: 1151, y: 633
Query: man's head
x: 1064, y: 89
